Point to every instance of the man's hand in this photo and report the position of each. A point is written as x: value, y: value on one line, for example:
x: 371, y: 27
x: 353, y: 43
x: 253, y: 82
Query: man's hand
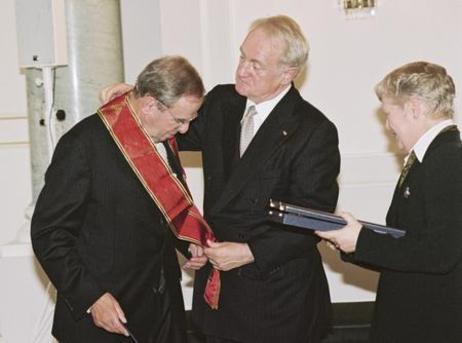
x: 344, y: 239
x: 228, y: 255
x: 108, y: 315
x: 198, y: 259
x: 113, y: 91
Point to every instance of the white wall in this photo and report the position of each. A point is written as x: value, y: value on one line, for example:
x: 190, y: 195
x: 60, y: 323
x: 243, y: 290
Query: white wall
x: 348, y: 57
x: 15, y: 173
x: 14, y: 149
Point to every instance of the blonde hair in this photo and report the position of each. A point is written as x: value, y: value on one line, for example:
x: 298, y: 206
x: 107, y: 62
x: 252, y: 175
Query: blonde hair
x: 288, y: 31
x: 429, y: 82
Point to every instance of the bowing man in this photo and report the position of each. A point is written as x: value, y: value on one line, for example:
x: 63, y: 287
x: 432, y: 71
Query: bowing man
x: 114, y: 199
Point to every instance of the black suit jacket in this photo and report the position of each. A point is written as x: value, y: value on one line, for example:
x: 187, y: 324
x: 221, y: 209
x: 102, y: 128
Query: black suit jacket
x: 419, y: 298
x: 96, y: 230
x: 283, y: 296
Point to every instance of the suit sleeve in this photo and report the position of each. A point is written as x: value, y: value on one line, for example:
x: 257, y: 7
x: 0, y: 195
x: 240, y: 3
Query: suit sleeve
x: 436, y: 246
x: 56, y: 225
x: 193, y: 139
x: 313, y: 184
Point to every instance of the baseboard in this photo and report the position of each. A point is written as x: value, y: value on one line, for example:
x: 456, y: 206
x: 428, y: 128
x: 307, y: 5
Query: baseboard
x: 351, y: 323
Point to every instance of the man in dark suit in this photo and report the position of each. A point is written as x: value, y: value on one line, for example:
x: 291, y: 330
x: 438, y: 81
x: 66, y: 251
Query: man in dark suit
x: 102, y: 227
x: 259, y: 140
x: 273, y: 286
x: 419, y: 297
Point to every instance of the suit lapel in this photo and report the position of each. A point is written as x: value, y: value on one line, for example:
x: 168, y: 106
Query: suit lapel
x: 175, y: 165
x: 451, y: 133
x: 276, y: 129
x: 231, y: 134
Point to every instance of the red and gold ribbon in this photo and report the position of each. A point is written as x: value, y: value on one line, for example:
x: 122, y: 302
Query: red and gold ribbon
x: 170, y: 195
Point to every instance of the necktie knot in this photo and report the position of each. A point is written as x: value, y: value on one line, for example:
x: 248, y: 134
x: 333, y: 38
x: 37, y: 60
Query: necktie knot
x: 410, y: 161
x: 251, y: 111
x: 247, y: 129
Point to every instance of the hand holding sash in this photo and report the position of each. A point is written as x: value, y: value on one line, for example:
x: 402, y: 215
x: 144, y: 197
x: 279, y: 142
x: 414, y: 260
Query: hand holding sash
x: 197, y: 260
x: 228, y: 255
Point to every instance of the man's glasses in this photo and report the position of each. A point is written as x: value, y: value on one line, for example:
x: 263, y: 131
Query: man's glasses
x: 180, y: 121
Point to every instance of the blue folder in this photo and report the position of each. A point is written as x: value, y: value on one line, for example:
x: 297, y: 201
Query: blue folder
x: 307, y: 218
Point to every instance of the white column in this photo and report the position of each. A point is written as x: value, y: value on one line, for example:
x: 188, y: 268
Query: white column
x: 95, y: 60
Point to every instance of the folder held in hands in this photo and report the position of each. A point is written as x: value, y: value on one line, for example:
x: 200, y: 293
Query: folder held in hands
x: 307, y: 218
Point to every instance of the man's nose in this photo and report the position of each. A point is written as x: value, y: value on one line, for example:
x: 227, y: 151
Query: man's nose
x: 243, y: 68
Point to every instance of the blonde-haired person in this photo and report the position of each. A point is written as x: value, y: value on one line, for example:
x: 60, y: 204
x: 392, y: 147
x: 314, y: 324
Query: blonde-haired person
x: 274, y: 288
x: 419, y: 297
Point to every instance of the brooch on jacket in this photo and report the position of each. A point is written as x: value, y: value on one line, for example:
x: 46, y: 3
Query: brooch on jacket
x: 407, y: 192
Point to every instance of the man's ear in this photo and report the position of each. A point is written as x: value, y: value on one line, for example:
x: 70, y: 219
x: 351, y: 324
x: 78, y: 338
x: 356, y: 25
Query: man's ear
x: 147, y: 104
x: 289, y: 74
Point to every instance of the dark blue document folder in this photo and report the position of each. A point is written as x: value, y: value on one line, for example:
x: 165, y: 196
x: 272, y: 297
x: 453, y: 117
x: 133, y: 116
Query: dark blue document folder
x: 307, y: 218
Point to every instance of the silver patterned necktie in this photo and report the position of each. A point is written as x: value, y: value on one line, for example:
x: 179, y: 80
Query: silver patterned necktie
x: 247, y: 129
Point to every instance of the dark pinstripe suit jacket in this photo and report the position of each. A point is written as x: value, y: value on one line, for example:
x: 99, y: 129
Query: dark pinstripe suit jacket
x: 95, y: 230
x: 283, y: 296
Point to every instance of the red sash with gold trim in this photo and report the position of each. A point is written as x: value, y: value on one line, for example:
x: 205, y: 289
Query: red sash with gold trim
x: 169, y: 194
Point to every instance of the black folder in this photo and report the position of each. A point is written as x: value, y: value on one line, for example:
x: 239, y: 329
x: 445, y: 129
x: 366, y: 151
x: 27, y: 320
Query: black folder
x: 307, y: 218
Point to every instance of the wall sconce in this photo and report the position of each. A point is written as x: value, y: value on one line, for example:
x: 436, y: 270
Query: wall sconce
x: 359, y: 8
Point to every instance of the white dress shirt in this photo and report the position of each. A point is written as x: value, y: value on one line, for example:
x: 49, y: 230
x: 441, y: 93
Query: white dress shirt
x: 420, y: 148
x: 264, y: 109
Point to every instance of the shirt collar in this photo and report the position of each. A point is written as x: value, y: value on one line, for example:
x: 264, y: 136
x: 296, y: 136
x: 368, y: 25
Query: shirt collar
x: 264, y: 108
x: 420, y: 148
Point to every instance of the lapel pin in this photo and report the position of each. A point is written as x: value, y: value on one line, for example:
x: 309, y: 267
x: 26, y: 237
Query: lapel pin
x: 407, y: 192
x: 284, y: 132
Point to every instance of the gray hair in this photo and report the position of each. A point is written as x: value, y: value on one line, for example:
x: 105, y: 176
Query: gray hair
x: 169, y: 78
x: 288, y: 31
